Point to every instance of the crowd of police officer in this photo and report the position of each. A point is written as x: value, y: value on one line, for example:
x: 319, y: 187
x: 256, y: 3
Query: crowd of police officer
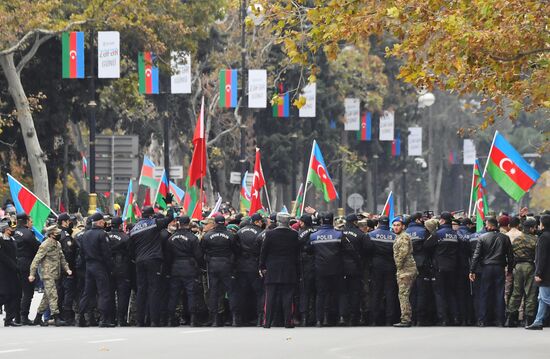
x: 169, y: 270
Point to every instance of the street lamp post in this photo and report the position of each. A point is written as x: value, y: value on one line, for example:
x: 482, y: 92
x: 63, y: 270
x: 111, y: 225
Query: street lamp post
x: 375, y: 185
x: 427, y: 99
x: 242, y: 160
x: 92, y: 106
x: 404, y: 190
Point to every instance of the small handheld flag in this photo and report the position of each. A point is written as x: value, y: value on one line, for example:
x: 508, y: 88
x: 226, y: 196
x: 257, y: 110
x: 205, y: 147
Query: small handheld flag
x: 317, y: 174
x: 162, y: 191
x: 146, y: 178
x: 258, y: 183
x: 72, y: 49
x: 128, y: 214
x: 389, y: 209
x: 177, y: 192
x: 245, y: 193
x: 509, y: 169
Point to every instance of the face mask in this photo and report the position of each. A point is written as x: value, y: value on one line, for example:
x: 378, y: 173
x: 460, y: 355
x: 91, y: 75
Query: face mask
x: 57, y: 237
x: 172, y: 228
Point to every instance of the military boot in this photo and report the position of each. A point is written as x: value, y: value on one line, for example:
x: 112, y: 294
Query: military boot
x: 82, y: 321
x: 193, y: 320
x: 236, y: 322
x: 174, y: 322
x: 402, y: 324
x: 217, y: 320
x: 68, y: 315
x: 260, y: 321
x: 26, y: 321
x: 38, y: 320
x: 58, y: 322
x: 511, y: 320
x: 528, y: 320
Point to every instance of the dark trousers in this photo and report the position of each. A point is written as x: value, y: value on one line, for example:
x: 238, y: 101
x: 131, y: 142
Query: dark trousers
x: 219, y: 283
x: 69, y: 291
x: 10, y: 303
x: 421, y: 298
x: 246, y: 282
x: 350, y: 296
x: 120, y: 289
x: 476, y: 297
x: 328, y: 288
x: 463, y: 296
x: 191, y: 287
x: 148, y: 273
x: 276, y: 294
x: 27, y: 292
x: 97, y: 283
x: 384, y: 285
x: 307, y: 293
x: 445, y: 295
x: 492, y: 293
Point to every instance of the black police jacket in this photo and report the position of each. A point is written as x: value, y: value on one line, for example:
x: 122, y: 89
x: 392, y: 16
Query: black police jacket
x: 464, y: 235
x: 183, y: 254
x: 472, y: 244
x: 419, y: 234
x: 80, y: 263
x: 280, y: 256
x: 146, y: 239
x: 9, y: 278
x: 542, y: 258
x: 493, y: 248
x: 353, y: 249
x: 220, y: 247
x: 118, y: 241
x: 27, y: 246
x: 445, y: 256
x: 68, y: 247
x: 306, y: 252
x: 249, y: 245
x: 380, y: 249
x: 95, y: 248
x: 326, y: 244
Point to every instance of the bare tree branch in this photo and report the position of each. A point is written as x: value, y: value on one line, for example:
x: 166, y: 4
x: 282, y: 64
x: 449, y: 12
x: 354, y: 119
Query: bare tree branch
x: 519, y: 55
x: 29, y: 55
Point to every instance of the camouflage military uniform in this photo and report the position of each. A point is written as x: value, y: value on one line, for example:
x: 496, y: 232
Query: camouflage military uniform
x: 406, y: 272
x: 51, y: 261
x: 524, y: 274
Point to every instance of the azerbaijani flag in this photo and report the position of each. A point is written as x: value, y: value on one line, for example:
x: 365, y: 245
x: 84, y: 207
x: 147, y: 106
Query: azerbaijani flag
x: 26, y: 202
x: 128, y: 214
x: 146, y: 177
x: 396, y: 145
x: 282, y: 107
x: 177, y: 192
x: 245, y: 193
x: 84, y: 166
x: 477, y: 179
x: 481, y: 207
x: 148, y: 73
x: 389, y: 209
x: 453, y: 158
x: 162, y: 191
x: 317, y: 174
x: 72, y: 55
x: 297, y: 210
x: 365, y: 133
x: 511, y: 171
x: 228, y: 88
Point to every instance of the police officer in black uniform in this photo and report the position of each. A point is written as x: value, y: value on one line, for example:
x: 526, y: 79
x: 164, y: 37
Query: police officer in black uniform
x: 68, y: 282
x: 279, y: 265
x: 184, y: 259
x: 353, y: 251
x: 220, y: 247
x: 383, y: 273
x: 99, y: 266
x: 9, y: 279
x: 27, y: 246
x: 120, y: 280
x: 247, y: 278
x: 146, y: 250
x: 307, y: 271
x: 326, y: 244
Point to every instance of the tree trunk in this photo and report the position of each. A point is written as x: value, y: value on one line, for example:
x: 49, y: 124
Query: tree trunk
x: 35, y: 156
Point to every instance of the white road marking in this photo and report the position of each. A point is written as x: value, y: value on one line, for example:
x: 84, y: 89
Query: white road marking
x: 12, y: 351
x: 196, y: 331
x: 107, y: 340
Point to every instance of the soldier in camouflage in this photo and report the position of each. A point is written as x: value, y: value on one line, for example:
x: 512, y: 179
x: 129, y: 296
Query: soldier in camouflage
x: 406, y: 270
x: 524, y: 247
x: 50, y: 260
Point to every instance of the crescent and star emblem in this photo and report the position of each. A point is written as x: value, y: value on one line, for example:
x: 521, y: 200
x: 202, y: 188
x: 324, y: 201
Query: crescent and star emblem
x: 503, y: 161
x: 72, y: 54
x: 227, y: 88
x: 321, y: 172
x: 479, y: 205
x: 147, y: 72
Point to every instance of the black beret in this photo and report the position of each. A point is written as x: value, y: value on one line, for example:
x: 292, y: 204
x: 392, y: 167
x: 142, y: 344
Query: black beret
x: 184, y: 220
x: 116, y: 221
x: 352, y: 218
x: 63, y: 217
x: 256, y: 217
x: 306, y: 218
x: 22, y: 216
x: 384, y: 220
x: 147, y: 211
x: 219, y: 219
x: 96, y: 217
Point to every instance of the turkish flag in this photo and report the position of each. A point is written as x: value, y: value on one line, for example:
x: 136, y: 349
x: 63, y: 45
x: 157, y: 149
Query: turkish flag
x: 257, y: 183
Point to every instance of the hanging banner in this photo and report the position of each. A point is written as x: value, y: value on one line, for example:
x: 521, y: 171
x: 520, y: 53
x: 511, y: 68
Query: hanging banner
x: 352, y: 108
x: 415, y: 141
x: 257, y: 88
x: 469, y: 150
x: 310, y: 93
x: 108, y: 54
x: 180, y: 81
x: 387, y: 126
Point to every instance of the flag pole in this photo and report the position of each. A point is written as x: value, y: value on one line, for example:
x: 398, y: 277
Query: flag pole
x: 296, y: 201
x: 472, y: 191
x: 307, y: 175
x: 387, y: 200
x: 203, y: 165
x: 489, y: 155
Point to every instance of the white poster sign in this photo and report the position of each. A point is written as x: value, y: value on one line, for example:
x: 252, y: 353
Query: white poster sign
x: 415, y: 141
x: 387, y: 126
x: 180, y: 81
x: 108, y: 54
x: 469, y: 152
x: 257, y: 88
x: 310, y: 93
x: 352, y: 108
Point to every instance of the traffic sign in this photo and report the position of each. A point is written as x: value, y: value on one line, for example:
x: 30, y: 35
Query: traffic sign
x: 176, y: 172
x: 355, y: 201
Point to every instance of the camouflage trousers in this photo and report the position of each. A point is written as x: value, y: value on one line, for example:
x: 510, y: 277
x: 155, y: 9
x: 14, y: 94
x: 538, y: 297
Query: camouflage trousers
x: 49, y: 299
x: 523, y: 288
x: 405, y: 282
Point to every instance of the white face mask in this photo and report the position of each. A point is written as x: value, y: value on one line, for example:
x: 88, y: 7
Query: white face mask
x: 172, y: 228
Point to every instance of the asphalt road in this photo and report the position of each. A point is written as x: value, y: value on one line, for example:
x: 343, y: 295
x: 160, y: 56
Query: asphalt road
x: 243, y: 343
